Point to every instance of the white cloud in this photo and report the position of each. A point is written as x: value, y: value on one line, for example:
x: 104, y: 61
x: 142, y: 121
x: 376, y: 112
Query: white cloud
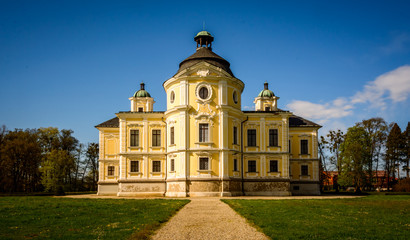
x: 247, y: 108
x: 393, y: 85
x: 322, y: 112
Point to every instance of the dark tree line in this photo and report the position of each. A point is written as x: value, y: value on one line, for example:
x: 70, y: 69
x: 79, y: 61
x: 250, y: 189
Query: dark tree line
x: 369, y: 146
x: 46, y: 159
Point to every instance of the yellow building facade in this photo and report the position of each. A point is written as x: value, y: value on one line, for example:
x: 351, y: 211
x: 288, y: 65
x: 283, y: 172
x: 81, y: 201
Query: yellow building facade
x: 204, y: 144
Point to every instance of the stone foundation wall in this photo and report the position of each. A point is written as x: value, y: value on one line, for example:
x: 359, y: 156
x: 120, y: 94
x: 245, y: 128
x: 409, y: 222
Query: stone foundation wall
x: 266, y: 188
x: 176, y: 189
x: 303, y: 189
x: 128, y: 189
x: 107, y: 189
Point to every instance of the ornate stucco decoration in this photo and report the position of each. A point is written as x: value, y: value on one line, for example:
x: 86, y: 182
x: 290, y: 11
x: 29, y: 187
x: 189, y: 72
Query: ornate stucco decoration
x: 203, y: 72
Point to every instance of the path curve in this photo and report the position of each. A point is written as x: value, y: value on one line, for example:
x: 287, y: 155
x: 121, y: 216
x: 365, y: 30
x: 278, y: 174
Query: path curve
x: 207, y: 218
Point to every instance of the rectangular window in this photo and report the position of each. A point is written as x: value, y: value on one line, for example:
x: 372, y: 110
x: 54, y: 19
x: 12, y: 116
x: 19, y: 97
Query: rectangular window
x: 235, y: 135
x: 252, y: 137
x: 273, y: 137
x: 156, y: 138
x: 304, y: 170
x: 304, y: 147
x: 273, y: 166
x: 111, y: 170
x: 156, y: 166
x: 135, y: 138
x: 251, y: 166
x: 135, y: 166
x: 203, y: 132
x: 290, y: 145
x: 172, y: 167
x: 140, y: 109
x: 172, y: 136
x: 203, y: 164
x: 235, y: 165
x: 267, y: 108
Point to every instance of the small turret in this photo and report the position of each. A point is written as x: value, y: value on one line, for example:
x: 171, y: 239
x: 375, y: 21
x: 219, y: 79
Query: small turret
x: 142, y: 100
x: 266, y: 100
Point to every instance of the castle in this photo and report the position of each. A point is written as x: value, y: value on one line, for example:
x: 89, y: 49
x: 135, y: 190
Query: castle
x: 204, y: 144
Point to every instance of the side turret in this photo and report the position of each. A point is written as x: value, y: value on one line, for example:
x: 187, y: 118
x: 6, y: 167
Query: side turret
x: 266, y: 100
x: 142, y: 101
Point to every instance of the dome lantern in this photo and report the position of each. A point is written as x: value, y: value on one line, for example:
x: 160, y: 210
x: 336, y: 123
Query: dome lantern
x: 204, y: 39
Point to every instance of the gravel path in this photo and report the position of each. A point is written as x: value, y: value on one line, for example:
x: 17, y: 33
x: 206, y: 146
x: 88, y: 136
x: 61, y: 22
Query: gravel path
x: 207, y: 218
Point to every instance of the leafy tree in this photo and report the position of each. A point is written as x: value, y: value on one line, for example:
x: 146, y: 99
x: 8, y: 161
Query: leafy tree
x: 354, y: 156
x: 92, y: 157
x: 394, y: 152
x: 55, y: 168
x: 332, y: 143
x: 376, y: 129
x: 20, y: 157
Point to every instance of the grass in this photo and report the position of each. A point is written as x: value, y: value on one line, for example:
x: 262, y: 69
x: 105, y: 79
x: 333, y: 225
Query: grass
x: 65, y: 218
x: 371, y: 217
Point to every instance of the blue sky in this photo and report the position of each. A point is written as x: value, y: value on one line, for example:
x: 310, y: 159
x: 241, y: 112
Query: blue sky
x: 73, y: 64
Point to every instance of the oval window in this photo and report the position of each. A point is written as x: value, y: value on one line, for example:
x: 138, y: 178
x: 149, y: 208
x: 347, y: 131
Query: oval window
x: 203, y: 92
x: 235, y: 97
x: 172, y: 97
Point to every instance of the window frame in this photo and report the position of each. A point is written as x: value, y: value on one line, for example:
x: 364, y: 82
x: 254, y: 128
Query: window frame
x: 154, y: 166
x: 304, y: 169
x: 203, y: 133
x: 156, y: 138
x: 252, y: 167
x: 273, y: 166
x: 137, y: 166
x: 172, y: 165
x: 206, y: 161
x: 273, y: 137
x: 235, y: 135
x: 251, y: 137
x: 111, y: 171
x: 304, y: 146
x: 134, y: 138
x: 172, y: 135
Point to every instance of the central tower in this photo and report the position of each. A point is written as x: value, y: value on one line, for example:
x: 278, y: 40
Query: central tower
x: 203, y: 104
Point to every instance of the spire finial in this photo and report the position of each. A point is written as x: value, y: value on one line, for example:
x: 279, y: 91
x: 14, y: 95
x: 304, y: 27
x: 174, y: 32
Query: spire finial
x: 142, y: 85
x: 266, y: 85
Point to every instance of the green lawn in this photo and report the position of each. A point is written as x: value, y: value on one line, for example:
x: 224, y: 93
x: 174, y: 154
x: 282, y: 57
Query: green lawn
x: 65, y: 218
x: 372, y: 217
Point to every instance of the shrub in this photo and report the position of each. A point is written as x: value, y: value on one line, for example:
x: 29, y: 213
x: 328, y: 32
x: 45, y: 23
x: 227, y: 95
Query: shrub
x: 402, y: 186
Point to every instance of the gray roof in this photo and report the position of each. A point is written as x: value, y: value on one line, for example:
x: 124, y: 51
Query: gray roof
x: 204, y: 54
x: 296, y: 121
x: 112, y: 123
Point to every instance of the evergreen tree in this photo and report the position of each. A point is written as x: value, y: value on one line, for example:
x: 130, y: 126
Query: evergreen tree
x: 394, y: 152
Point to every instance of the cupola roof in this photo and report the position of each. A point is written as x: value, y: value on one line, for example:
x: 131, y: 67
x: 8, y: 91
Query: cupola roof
x: 142, y: 92
x: 266, y: 92
x: 204, y: 53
